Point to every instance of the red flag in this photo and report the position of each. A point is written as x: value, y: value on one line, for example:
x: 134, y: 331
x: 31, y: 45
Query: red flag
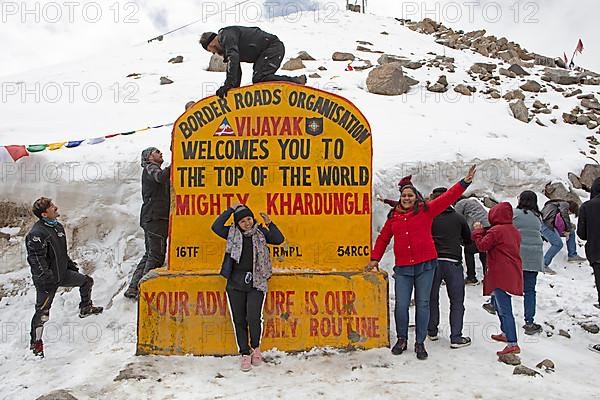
x: 579, y: 48
x: 12, y: 153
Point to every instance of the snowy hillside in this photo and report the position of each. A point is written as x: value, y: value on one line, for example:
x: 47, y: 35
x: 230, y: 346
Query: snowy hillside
x: 434, y: 136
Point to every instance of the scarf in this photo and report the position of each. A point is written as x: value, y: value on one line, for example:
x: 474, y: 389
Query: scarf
x: 261, y: 263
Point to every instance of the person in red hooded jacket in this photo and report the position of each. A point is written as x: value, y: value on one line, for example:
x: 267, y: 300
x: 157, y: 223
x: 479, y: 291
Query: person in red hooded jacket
x: 504, y: 276
x: 415, y: 256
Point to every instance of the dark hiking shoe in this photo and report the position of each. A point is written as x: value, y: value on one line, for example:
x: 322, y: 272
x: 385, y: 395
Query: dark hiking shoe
x: 463, y: 341
x: 576, y: 259
x: 131, y: 293
x: 399, y: 347
x: 532, y: 329
x: 489, y: 307
x: 38, y: 348
x: 421, y: 352
x: 300, y: 79
x: 90, y: 310
x: 471, y: 281
x: 433, y: 337
x: 595, y: 348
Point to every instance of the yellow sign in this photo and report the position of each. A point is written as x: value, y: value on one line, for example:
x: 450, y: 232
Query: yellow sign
x: 299, y: 154
x: 188, y: 313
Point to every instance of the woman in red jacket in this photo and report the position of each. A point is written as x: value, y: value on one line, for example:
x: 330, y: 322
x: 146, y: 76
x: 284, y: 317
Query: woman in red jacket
x: 502, y: 243
x: 416, y: 258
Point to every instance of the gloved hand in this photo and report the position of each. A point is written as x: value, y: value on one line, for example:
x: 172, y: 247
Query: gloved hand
x: 222, y: 91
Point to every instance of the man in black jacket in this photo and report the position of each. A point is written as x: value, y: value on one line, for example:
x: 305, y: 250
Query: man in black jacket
x: 449, y: 230
x: 51, y: 267
x: 247, y: 44
x: 154, y: 216
x: 588, y: 228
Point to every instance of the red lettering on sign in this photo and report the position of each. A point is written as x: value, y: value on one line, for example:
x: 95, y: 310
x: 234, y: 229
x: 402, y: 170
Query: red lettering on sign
x: 340, y: 302
x: 211, y: 303
x: 149, y: 299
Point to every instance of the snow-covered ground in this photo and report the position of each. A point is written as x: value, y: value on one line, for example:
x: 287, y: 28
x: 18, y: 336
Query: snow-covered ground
x: 434, y: 136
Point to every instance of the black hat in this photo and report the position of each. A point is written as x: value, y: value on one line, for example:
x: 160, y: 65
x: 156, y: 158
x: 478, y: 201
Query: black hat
x: 242, y: 212
x: 206, y: 38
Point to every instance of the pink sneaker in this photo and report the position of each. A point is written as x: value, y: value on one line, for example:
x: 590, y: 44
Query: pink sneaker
x: 256, y: 357
x: 246, y: 364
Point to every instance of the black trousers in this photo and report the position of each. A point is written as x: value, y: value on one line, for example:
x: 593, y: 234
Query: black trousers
x: 246, y: 312
x: 470, y: 251
x: 155, y: 237
x: 596, y: 267
x: 45, y: 296
x: 268, y: 63
x: 451, y: 273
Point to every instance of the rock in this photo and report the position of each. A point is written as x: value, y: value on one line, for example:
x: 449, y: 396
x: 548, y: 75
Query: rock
x: 363, y: 48
x: 560, y: 76
x: 531, y: 86
x: 510, y: 359
x: 58, y: 395
x: 508, y: 73
x: 574, y: 179
x: 176, y: 60
x: 564, y: 333
x: 520, y: 111
x: 538, y: 104
x: 547, y: 364
x: 514, y: 95
x: 573, y: 93
x: 518, y: 70
x: 303, y: 55
x: 322, y: 68
x: 557, y: 191
x: 437, y: 88
x: 383, y: 33
x: 462, y: 89
x: 554, y: 120
x: 483, y: 68
x: 165, y: 81
x: 216, y: 64
x: 389, y: 80
x: 582, y: 119
x: 489, y: 202
x: 412, y: 65
x: 364, y: 43
x: 362, y: 65
x: 540, y: 123
x: 315, y: 75
x: 569, y: 118
x: 390, y: 58
x: 545, y: 111
x: 340, y: 56
x: 442, y: 80
x: 588, y: 96
x: 137, y: 370
x: 592, y: 104
x: 591, y: 328
x: 592, y: 125
x: 293, y: 64
x: 523, y: 370
x: 134, y: 75
x: 495, y: 95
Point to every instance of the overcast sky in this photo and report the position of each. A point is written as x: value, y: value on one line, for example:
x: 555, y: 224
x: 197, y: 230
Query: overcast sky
x: 36, y: 34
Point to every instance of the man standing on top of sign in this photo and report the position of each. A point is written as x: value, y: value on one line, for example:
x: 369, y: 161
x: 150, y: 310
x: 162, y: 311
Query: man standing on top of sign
x: 247, y: 44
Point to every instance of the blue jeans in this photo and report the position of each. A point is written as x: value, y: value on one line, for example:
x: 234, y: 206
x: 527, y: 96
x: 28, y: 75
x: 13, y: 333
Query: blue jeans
x: 451, y: 273
x: 552, y: 236
x: 529, y: 281
x: 503, y: 306
x: 420, y: 277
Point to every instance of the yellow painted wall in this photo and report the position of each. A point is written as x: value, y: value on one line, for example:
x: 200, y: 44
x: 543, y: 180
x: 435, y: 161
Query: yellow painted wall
x: 187, y: 313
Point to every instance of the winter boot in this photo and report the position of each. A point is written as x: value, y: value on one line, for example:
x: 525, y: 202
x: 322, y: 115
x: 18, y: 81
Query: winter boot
x: 38, y: 348
x: 489, y: 307
x: 132, y: 293
x: 90, y: 310
x: 399, y: 347
x: 532, y: 329
x: 421, y: 352
x: 471, y: 281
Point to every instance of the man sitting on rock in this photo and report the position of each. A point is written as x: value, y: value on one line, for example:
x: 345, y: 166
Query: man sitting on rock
x: 247, y: 44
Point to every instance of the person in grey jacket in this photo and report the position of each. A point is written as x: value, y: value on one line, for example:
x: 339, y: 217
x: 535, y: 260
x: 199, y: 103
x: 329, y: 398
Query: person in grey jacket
x: 527, y: 219
x: 473, y: 211
x: 552, y: 232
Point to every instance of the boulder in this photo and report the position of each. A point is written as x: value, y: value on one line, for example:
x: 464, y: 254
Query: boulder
x: 538, y: 104
x: 557, y: 191
x: 303, y: 55
x: 518, y: 70
x: 569, y: 118
x: 216, y: 64
x: 531, y: 86
x: 592, y: 104
x: 589, y: 173
x: 546, y: 364
x: 165, y: 81
x: 58, y: 395
x: 591, y: 328
x: 463, y: 89
x: 340, y: 56
x: 510, y: 359
x: 563, y: 333
x: 483, y: 68
x: 574, y: 179
x: 389, y: 80
x: 507, y: 73
x: 322, y: 68
x: 520, y: 111
x: 560, y: 76
x: 390, y: 58
x: 582, y: 119
x: 314, y: 75
x: 514, y: 95
x: 293, y: 64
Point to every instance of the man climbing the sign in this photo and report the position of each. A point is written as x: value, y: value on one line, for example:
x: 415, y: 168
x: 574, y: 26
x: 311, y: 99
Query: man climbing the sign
x: 247, y: 44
